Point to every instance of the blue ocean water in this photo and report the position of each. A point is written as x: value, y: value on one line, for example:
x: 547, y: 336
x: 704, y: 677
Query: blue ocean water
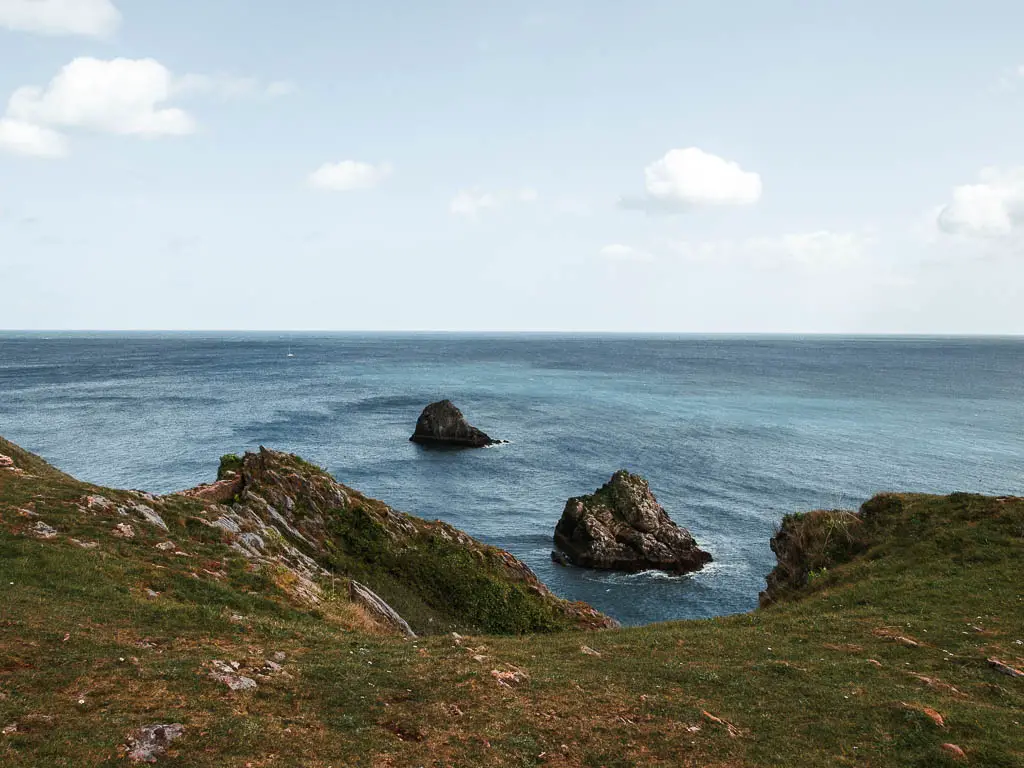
x: 732, y: 433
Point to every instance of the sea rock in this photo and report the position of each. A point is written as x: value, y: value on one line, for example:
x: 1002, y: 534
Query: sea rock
x: 622, y: 527
x: 443, y: 424
x: 146, y: 744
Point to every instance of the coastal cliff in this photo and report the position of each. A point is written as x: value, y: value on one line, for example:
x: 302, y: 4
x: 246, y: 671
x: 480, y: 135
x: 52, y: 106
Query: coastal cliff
x: 275, y: 515
x: 229, y: 625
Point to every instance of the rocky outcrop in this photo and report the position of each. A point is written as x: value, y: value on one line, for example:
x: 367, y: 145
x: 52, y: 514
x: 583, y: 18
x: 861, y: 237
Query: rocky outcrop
x: 622, y: 527
x: 443, y: 424
x: 286, y: 512
x: 304, y: 535
x: 379, y: 609
x: 808, y: 544
x: 221, y: 492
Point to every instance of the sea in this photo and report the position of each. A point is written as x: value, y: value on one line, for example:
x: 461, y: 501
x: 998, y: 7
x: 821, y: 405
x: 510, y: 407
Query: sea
x: 732, y: 433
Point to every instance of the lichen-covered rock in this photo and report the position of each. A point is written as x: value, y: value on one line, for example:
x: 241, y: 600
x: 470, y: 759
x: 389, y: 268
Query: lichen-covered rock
x: 146, y: 744
x: 44, y: 531
x: 99, y: 502
x: 443, y: 424
x: 144, y: 513
x: 223, y: 491
x: 622, y: 527
x: 228, y: 674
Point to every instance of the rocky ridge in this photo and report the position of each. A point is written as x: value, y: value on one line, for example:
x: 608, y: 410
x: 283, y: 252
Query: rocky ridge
x: 314, y: 538
x: 278, y: 510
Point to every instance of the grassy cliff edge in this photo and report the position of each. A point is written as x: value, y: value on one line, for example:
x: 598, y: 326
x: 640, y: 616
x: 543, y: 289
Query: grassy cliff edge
x: 876, y: 646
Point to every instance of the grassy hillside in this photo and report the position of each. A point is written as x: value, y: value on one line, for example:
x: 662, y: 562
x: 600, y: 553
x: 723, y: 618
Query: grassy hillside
x: 873, y: 648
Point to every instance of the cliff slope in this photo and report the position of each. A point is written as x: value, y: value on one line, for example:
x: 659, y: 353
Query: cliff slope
x: 203, y: 645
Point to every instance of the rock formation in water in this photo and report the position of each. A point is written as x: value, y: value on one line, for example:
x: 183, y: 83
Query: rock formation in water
x: 622, y: 527
x: 443, y: 424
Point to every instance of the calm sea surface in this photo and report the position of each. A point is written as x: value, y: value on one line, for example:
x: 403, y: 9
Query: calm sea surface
x: 732, y: 433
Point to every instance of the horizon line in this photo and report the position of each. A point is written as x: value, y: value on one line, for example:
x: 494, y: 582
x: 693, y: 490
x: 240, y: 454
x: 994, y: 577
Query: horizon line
x: 460, y: 332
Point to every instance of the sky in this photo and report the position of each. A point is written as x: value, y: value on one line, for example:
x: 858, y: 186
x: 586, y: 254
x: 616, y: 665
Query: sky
x: 474, y: 165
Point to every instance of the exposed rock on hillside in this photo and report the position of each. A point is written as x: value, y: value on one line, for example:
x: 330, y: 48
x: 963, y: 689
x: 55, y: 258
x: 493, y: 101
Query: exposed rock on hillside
x: 287, y: 512
x: 443, y: 424
x: 110, y: 653
x: 146, y: 744
x: 223, y: 491
x: 622, y: 527
x: 277, y: 525
x: 378, y: 608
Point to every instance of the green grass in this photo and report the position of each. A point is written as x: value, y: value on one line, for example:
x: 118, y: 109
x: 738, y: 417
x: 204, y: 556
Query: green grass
x: 879, y: 618
x: 229, y: 462
x: 437, y: 585
x: 436, y: 577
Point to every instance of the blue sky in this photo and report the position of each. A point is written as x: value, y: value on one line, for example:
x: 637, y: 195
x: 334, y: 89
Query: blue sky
x: 656, y: 166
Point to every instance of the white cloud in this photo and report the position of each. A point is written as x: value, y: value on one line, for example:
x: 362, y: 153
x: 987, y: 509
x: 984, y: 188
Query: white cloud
x: 27, y: 139
x: 994, y: 207
x: 92, y: 18
x: 689, y: 177
x: 619, y: 252
x: 349, y: 175
x: 231, y: 87
x: 121, y: 96
x: 117, y: 96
